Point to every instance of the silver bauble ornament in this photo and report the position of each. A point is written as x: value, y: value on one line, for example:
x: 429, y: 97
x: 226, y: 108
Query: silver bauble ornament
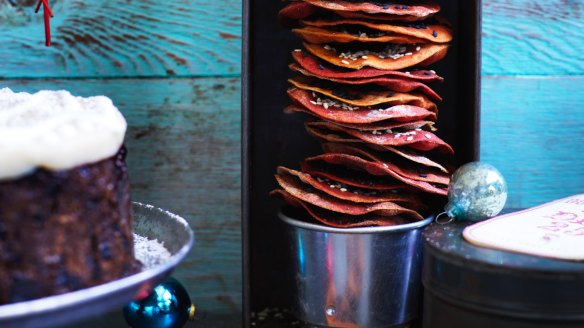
x: 477, y: 191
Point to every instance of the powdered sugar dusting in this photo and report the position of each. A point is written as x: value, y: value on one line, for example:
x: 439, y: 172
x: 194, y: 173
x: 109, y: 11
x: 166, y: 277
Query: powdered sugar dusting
x: 150, y: 252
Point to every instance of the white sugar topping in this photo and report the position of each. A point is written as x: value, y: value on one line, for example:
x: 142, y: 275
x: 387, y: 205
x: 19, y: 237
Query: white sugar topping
x: 150, y: 252
x: 56, y: 131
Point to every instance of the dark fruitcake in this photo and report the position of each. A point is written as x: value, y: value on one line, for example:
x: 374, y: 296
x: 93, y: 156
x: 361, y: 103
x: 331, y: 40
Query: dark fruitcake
x: 61, y: 228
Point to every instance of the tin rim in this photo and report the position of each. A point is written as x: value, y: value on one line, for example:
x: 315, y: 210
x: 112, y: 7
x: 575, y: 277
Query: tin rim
x: 361, y: 230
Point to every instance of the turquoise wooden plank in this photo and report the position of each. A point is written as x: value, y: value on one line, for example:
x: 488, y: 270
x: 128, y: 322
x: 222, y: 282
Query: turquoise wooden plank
x: 522, y: 37
x: 118, y: 38
x: 184, y: 155
x: 155, y: 38
x: 533, y: 131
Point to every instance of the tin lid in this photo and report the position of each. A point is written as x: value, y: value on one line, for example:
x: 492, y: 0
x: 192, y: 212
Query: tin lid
x: 499, y: 282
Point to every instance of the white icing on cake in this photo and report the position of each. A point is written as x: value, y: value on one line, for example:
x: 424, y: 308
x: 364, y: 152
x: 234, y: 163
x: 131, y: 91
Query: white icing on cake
x: 56, y: 131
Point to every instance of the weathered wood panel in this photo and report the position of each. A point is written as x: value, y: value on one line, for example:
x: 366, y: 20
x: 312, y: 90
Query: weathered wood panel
x: 184, y: 134
x: 533, y: 67
x: 533, y: 131
x: 198, y: 37
x: 184, y: 156
x: 522, y: 37
x: 113, y: 38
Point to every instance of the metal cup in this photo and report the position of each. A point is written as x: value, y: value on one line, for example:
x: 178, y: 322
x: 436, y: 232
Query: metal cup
x: 358, y: 277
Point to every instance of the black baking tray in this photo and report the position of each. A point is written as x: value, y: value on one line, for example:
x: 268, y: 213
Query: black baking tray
x: 271, y: 138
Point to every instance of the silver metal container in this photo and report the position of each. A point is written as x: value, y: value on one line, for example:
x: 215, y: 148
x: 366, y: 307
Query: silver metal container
x: 359, y: 277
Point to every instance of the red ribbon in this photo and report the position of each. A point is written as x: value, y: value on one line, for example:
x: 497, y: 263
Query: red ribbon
x: 48, y: 13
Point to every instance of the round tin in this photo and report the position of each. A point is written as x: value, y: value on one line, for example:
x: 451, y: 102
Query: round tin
x: 359, y: 277
x: 471, y: 286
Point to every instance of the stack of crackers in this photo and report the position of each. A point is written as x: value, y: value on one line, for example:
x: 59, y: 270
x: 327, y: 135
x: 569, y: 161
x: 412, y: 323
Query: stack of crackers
x: 362, y: 78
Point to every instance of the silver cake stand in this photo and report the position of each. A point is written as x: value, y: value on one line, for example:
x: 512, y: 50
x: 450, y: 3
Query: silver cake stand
x: 59, y: 310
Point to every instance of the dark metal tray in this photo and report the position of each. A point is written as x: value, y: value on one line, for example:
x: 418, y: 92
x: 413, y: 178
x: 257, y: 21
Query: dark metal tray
x: 271, y: 138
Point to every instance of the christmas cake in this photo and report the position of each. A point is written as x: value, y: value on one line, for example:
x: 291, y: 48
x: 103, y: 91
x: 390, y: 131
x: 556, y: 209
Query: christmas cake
x: 65, y: 216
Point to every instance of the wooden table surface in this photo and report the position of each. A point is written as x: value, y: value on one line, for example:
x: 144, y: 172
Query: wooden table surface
x: 173, y: 68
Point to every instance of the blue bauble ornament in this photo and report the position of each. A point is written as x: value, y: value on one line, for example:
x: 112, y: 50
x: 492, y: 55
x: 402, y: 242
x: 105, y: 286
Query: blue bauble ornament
x: 167, y: 306
x: 477, y: 191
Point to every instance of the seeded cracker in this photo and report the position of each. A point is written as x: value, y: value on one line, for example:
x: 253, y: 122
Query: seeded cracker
x: 362, y: 81
x: 324, y: 70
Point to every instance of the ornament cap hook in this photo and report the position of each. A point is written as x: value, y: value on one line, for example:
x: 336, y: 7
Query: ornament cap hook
x: 443, y: 221
x: 192, y: 311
